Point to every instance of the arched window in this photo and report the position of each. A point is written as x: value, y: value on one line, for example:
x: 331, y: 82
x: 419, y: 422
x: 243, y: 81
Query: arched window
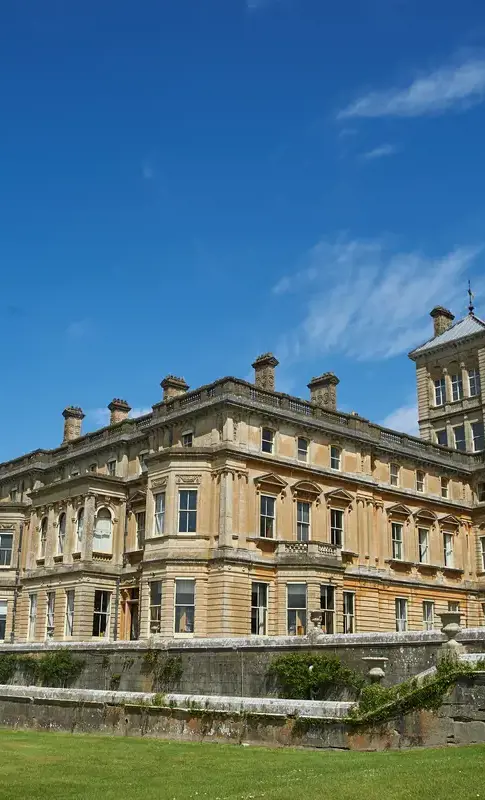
x: 43, y: 537
x: 80, y: 526
x: 61, y: 535
x: 103, y: 532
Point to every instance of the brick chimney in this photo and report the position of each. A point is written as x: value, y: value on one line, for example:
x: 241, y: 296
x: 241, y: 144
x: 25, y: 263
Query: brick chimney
x: 73, y: 417
x: 323, y: 390
x: 442, y: 319
x: 173, y: 387
x: 264, y: 367
x: 119, y: 410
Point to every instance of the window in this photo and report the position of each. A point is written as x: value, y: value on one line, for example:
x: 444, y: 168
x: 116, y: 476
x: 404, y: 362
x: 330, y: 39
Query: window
x: 43, y: 537
x: 296, y: 605
x: 69, y: 621
x: 302, y: 446
x: 111, y: 467
x: 140, y: 529
x: 477, y: 436
x: 14, y: 494
x: 50, y: 610
x: 327, y: 605
x: 159, y: 514
x: 474, y: 382
x: 349, y: 612
x: 302, y: 521
x: 335, y: 457
x: 93, y: 468
x: 439, y: 392
x: 394, y: 474
x: 103, y: 532
x: 482, y: 553
x: 61, y: 533
x: 453, y: 606
x: 259, y: 609
x: 481, y: 492
x: 401, y: 614
x: 442, y: 437
x: 80, y: 526
x: 6, y: 544
x: 187, y: 439
x: 3, y: 619
x: 420, y: 478
x: 336, y: 527
x: 267, y: 521
x: 188, y: 511
x: 267, y: 440
x: 445, y: 487
x: 456, y: 387
x: 32, y: 615
x: 428, y: 615
x: 423, y: 545
x: 101, y: 613
x: 397, y: 543
x: 448, y: 549
x: 459, y: 433
x: 184, y: 605
x: 155, y: 606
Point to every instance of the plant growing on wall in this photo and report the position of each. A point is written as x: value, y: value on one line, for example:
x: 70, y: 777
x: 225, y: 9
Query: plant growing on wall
x: 59, y: 669
x: 167, y: 670
x: 304, y: 676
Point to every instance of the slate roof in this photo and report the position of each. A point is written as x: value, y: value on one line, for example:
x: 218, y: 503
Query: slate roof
x: 460, y: 330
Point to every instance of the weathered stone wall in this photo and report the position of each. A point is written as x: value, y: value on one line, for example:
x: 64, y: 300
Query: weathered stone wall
x: 461, y: 720
x: 238, y: 667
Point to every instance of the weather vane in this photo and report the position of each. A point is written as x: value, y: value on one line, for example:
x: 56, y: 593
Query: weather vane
x: 471, y: 296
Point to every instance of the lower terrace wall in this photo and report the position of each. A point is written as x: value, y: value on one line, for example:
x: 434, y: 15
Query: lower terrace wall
x: 460, y: 720
x: 238, y: 667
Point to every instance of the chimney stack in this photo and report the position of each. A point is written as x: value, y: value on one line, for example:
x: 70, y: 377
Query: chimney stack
x: 442, y: 319
x: 119, y: 410
x: 173, y: 387
x: 73, y: 417
x: 323, y: 390
x: 264, y: 368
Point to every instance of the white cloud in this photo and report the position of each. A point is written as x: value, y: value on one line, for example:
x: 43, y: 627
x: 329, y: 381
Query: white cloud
x: 404, y: 419
x: 362, y: 300
x: 98, y: 416
x: 140, y: 412
x: 380, y: 152
x: 456, y: 86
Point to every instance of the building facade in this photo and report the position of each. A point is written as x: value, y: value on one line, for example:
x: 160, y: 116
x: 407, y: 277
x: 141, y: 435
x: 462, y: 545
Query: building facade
x: 236, y: 510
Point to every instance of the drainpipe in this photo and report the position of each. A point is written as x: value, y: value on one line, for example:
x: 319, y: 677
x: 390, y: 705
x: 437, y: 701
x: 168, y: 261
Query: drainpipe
x: 17, y: 583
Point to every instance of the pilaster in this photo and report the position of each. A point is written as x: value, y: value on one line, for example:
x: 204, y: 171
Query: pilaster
x: 89, y: 523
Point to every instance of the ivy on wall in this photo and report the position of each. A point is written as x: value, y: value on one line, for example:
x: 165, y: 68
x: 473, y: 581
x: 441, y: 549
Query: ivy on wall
x: 167, y: 670
x: 57, y: 669
x: 303, y: 676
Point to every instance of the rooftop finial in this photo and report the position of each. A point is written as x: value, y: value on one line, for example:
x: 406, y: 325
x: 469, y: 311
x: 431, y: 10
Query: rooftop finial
x: 471, y: 296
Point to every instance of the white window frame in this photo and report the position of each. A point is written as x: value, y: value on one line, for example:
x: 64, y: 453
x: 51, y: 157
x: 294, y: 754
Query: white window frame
x: 298, y: 611
x: 140, y: 529
x: 420, y: 481
x: 103, y: 544
x: 394, y: 472
x: 448, y: 550
x: 155, y: 621
x: 266, y: 516
x: 188, y: 438
x: 103, y: 613
x: 348, y: 613
x: 440, y: 392
x: 50, y: 611
x: 456, y: 387
x: 428, y: 615
x: 187, y: 512
x: 5, y: 562
x: 461, y: 440
x: 454, y: 606
x: 423, y: 545
x: 303, y: 527
x: 335, y: 458
x: 160, y: 499
x: 80, y: 526
x: 437, y: 433
x: 328, y: 609
x: 477, y: 438
x: 111, y: 467
x: 267, y: 440
x: 474, y: 387
x: 337, y: 531
x: 445, y: 488
x: 397, y: 541
x: 302, y: 452
x: 259, y: 610
x: 32, y: 616
x: 482, y: 553
x: 186, y: 606
x: 69, y: 613
x: 401, y: 613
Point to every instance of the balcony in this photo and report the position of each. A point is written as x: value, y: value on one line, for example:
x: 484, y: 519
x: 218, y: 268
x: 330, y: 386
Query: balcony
x: 305, y: 553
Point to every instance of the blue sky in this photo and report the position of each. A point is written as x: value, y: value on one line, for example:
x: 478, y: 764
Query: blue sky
x: 185, y: 184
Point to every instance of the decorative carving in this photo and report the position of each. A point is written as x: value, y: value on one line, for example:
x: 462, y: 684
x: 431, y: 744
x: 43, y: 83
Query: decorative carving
x: 7, y: 526
x: 188, y: 479
x: 272, y: 481
x: 159, y: 483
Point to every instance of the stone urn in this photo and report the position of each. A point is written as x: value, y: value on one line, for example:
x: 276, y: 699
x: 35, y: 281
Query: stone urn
x: 316, y: 620
x: 377, y: 668
x: 450, y: 627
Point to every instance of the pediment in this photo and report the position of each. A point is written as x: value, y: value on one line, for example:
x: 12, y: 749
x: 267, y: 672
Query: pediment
x: 339, y: 495
x: 424, y: 513
x: 271, y: 481
x: 306, y: 487
x: 138, y: 497
x: 450, y: 520
x: 399, y: 510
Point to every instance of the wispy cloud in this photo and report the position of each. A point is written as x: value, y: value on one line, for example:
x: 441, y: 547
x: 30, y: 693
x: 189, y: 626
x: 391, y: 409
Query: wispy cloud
x: 404, y: 419
x: 140, y: 412
x: 365, y: 301
x: 380, y: 152
x: 99, y: 417
x: 451, y: 87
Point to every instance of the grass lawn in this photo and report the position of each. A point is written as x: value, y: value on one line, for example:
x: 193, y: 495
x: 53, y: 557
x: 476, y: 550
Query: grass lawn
x: 57, y: 766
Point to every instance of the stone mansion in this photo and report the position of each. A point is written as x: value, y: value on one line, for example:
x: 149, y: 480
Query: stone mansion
x: 236, y: 510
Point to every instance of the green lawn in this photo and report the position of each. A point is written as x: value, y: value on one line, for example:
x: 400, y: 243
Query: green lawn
x: 52, y: 766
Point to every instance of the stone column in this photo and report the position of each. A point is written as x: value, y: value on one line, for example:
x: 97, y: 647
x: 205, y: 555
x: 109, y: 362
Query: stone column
x: 378, y: 549
x: 88, y: 532
x: 361, y: 527
x: 464, y: 380
x: 225, y: 508
x: 242, y: 516
x: 369, y: 552
x: 447, y: 385
x: 468, y: 434
x: 50, y: 545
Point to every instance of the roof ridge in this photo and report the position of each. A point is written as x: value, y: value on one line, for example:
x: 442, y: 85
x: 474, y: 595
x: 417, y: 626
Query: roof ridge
x: 447, y: 331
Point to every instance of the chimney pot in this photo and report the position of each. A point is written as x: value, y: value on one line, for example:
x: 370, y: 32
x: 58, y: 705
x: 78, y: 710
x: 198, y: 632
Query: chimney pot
x: 442, y: 319
x: 119, y: 410
x: 173, y: 387
x: 73, y: 417
x: 323, y: 390
x: 264, y: 368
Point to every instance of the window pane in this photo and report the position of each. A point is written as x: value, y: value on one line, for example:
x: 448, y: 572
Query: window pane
x: 442, y: 438
x: 459, y: 433
x: 184, y: 594
x: 296, y: 595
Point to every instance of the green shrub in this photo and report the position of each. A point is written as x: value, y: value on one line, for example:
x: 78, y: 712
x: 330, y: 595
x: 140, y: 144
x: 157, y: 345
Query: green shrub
x: 8, y: 665
x: 58, y: 669
x: 296, y: 680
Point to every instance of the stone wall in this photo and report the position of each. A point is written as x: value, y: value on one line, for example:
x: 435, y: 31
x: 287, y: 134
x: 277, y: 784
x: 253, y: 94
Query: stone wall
x: 238, y: 667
